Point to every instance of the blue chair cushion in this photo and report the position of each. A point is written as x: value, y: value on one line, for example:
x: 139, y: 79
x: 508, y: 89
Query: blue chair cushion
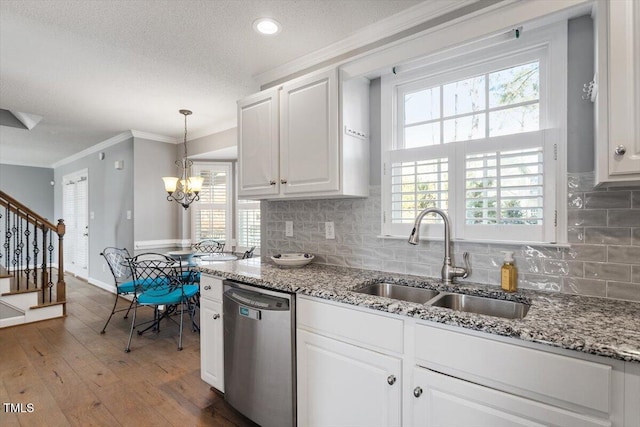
x: 164, y: 296
x: 126, y: 288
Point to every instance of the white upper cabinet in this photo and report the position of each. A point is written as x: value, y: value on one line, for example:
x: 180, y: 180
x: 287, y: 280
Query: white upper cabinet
x: 293, y: 140
x: 618, y: 100
x: 258, y: 144
x: 309, y: 146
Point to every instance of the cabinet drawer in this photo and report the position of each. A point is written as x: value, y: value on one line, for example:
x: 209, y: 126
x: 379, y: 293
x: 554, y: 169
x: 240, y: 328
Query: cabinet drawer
x: 515, y: 369
x: 211, y: 287
x: 348, y: 324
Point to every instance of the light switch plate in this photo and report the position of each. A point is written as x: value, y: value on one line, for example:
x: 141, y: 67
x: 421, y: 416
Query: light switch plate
x: 288, y: 228
x: 128, y: 214
x: 329, y: 230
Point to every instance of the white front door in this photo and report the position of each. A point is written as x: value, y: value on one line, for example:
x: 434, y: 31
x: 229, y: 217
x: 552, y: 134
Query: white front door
x: 75, y: 209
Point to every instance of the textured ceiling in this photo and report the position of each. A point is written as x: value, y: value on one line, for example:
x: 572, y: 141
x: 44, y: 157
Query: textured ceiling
x: 93, y: 69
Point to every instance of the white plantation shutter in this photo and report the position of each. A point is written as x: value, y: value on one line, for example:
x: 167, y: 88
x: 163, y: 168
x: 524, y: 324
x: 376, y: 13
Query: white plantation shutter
x: 248, y: 233
x: 211, y: 215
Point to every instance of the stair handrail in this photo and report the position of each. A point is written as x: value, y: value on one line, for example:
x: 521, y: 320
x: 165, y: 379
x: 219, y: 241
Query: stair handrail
x: 29, y: 215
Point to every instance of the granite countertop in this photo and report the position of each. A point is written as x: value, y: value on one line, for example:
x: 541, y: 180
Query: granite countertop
x: 591, y: 325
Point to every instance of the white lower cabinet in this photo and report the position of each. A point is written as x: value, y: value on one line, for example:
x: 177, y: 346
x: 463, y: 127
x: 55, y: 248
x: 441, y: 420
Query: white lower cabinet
x: 441, y: 400
x: 361, y: 367
x: 211, y: 338
x: 343, y: 385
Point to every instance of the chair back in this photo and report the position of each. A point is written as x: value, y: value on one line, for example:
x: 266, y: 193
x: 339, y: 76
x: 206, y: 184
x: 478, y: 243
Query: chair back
x: 209, y: 246
x: 117, y: 260
x: 249, y: 253
x: 155, y: 272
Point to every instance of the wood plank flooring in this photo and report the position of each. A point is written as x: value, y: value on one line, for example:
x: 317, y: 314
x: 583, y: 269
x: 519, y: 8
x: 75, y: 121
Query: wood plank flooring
x: 74, y: 376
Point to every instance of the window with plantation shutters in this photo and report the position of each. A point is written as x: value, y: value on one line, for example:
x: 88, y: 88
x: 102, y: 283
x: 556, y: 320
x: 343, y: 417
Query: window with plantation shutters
x: 248, y: 230
x: 479, y: 140
x: 211, y: 215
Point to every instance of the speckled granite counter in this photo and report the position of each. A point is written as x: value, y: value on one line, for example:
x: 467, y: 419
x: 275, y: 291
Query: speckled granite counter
x: 591, y: 325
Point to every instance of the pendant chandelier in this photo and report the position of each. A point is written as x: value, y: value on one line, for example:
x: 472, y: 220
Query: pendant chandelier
x: 185, y: 189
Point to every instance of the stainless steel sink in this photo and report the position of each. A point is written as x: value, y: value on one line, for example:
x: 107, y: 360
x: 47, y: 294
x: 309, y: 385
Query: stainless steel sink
x: 482, y: 305
x: 399, y: 292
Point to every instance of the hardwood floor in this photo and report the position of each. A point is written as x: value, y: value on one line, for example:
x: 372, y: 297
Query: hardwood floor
x: 73, y: 376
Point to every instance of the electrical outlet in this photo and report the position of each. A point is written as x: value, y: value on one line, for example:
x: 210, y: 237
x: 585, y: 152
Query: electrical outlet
x: 128, y: 214
x: 329, y: 230
x: 288, y: 228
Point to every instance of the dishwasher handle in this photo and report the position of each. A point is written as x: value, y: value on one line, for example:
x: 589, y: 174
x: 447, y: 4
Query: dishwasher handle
x: 256, y: 300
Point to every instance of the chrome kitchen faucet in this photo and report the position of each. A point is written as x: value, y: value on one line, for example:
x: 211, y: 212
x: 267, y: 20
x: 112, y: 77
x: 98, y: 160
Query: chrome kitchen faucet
x: 449, y: 272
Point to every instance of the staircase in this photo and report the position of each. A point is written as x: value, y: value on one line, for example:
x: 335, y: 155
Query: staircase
x: 31, y: 247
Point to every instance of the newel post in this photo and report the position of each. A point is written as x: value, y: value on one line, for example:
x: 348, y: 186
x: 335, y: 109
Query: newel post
x: 61, y: 287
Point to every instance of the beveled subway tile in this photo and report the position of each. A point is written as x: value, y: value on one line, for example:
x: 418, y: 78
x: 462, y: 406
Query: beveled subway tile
x: 624, y: 218
x: 575, y: 200
x: 636, y: 237
x: 539, y: 282
x: 635, y: 273
x: 607, y: 271
x: 607, y: 200
x: 607, y: 235
x: 623, y: 290
x: 419, y: 269
x: 587, y: 218
x: 580, y: 181
x: 586, y: 253
x: 624, y: 254
x: 575, y: 234
x: 555, y: 267
x: 635, y: 199
x: 590, y: 287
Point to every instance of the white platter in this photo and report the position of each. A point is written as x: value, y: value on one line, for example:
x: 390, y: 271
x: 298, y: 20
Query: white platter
x: 292, y: 260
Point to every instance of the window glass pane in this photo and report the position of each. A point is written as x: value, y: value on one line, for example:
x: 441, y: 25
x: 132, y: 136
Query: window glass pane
x: 422, y: 106
x: 464, y: 96
x: 514, y: 120
x: 514, y: 85
x: 422, y: 135
x: 464, y: 128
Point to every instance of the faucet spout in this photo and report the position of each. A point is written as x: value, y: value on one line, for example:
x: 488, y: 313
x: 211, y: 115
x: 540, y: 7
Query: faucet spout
x: 449, y: 272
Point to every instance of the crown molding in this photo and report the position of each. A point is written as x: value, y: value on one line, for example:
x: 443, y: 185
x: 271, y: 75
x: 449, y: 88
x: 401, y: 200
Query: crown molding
x: 95, y: 148
x: 29, y: 165
x: 387, y: 27
x: 155, y: 137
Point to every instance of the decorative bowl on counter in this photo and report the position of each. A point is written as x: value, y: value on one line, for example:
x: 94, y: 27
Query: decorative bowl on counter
x: 292, y: 260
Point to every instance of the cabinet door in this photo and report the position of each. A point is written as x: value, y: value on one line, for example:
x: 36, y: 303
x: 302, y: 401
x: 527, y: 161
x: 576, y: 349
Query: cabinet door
x: 624, y: 85
x: 211, y: 344
x: 258, y: 159
x: 309, y: 146
x: 618, y: 103
x: 440, y: 400
x: 343, y: 385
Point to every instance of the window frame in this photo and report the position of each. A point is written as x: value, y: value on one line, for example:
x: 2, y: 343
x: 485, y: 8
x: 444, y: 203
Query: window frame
x: 465, y: 62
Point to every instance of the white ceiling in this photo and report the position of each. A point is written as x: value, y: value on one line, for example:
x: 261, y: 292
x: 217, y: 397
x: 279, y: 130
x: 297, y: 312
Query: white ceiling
x: 94, y: 69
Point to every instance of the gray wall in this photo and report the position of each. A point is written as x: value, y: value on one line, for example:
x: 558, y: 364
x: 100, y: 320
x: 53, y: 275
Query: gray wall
x: 110, y: 197
x: 31, y: 186
x: 603, y: 225
x: 154, y: 218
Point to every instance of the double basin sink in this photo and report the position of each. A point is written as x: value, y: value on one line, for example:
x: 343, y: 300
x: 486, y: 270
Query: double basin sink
x: 459, y: 302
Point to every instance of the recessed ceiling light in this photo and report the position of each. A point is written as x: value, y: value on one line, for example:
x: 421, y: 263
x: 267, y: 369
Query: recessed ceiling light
x: 266, y: 26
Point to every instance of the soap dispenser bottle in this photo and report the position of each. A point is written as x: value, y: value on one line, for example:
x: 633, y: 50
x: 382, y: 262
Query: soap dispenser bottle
x: 508, y: 273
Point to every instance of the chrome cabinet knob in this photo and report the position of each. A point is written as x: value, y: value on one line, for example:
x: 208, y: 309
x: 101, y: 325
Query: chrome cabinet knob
x: 620, y: 150
x: 216, y: 316
x: 283, y: 180
x: 417, y: 392
x: 207, y: 287
x: 391, y: 379
x: 272, y: 182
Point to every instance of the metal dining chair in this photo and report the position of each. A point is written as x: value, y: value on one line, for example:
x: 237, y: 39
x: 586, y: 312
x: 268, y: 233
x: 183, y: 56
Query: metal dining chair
x: 117, y: 260
x: 159, y: 283
x: 209, y: 246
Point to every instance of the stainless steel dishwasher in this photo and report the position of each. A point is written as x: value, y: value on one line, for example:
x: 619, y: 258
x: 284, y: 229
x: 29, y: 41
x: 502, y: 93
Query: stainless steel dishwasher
x: 259, y: 353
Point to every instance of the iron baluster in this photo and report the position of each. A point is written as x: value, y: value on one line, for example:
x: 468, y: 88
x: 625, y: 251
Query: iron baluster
x: 27, y: 270
x: 50, y: 249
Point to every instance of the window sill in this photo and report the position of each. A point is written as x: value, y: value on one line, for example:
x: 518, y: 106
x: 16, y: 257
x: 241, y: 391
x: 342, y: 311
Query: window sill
x: 491, y: 242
